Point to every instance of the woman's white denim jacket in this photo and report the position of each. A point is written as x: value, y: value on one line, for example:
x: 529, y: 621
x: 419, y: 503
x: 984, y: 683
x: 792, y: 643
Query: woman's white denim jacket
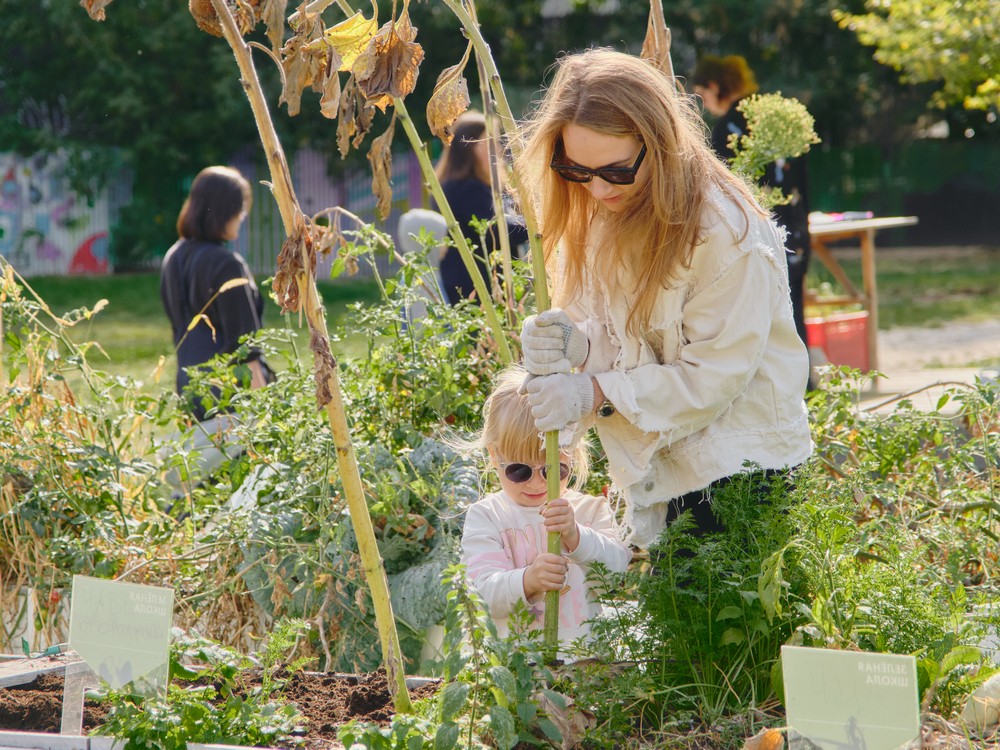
x: 715, y: 382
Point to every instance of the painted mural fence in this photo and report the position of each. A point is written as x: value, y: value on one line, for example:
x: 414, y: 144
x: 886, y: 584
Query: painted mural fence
x: 46, y: 227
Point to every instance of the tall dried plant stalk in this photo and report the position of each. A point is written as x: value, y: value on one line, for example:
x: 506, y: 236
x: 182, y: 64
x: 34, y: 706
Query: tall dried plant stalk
x: 330, y: 391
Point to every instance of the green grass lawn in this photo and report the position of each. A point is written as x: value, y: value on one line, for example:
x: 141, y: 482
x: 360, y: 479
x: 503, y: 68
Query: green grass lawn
x: 927, y: 286
x: 924, y: 287
x: 133, y: 329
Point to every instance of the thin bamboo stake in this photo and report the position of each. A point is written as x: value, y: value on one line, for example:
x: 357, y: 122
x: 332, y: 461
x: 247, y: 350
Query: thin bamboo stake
x: 293, y: 218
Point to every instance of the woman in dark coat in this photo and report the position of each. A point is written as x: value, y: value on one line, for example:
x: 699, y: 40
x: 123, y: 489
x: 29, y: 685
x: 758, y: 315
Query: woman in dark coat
x: 464, y: 172
x: 197, y: 275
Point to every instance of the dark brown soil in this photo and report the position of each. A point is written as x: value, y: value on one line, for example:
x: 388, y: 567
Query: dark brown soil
x: 326, y: 700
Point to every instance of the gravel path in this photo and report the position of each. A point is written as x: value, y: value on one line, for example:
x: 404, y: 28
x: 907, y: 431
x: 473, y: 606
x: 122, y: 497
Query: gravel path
x: 953, y: 345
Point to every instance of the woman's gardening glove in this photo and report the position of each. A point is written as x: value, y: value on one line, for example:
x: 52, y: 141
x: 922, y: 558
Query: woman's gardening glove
x: 559, y: 400
x: 552, y: 343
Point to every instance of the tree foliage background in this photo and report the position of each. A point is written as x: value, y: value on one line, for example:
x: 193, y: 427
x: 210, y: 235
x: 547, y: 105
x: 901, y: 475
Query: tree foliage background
x: 148, y: 89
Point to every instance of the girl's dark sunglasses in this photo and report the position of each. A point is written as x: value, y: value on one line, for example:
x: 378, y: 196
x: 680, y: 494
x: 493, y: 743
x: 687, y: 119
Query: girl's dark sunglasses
x: 613, y: 175
x: 521, y: 473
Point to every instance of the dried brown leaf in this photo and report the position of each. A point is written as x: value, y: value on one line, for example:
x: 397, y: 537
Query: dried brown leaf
x: 765, y: 739
x: 389, y: 65
x: 324, y: 365
x: 380, y: 156
x: 245, y: 13
x: 449, y: 100
x: 279, y: 594
x: 331, y: 238
x: 306, y: 237
x: 303, y: 61
x: 363, y: 115
x: 656, y: 45
x: 346, y: 125
x: 272, y: 13
x: 95, y: 8
x: 572, y: 722
x: 329, y: 102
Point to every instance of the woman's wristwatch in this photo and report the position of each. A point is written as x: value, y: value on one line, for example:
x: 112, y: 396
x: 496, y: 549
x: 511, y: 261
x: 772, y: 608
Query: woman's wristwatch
x: 606, y: 409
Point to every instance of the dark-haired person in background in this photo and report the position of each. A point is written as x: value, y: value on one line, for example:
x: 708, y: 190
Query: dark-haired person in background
x: 464, y: 172
x: 194, y: 271
x: 722, y: 82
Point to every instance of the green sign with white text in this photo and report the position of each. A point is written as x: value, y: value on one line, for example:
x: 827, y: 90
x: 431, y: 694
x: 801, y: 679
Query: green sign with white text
x: 849, y: 700
x: 122, y: 630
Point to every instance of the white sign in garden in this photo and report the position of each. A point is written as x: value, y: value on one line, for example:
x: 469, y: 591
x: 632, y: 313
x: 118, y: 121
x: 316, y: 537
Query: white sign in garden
x: 848, y: 700
x: 122, y: 630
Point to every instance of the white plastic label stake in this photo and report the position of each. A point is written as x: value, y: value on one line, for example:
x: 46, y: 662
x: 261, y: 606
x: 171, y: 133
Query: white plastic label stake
x: 122, y: 630
x: 79, y: 677
x: 844, y: 700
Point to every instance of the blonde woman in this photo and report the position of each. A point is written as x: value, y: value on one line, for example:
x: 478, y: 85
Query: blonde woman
x: 672, y: 328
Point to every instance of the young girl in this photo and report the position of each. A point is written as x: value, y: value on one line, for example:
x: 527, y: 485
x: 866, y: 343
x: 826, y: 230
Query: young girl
x: 504, y: 544
x: 673, y: 291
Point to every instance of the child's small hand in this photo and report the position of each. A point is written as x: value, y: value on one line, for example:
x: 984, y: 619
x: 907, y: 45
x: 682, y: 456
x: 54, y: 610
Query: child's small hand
x: 547, y: 572
x: 559, y: 518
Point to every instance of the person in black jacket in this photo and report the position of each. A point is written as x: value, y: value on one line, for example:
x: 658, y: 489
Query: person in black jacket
x: 722, y: 82
x: 464, y: 172
x: 194, y: 272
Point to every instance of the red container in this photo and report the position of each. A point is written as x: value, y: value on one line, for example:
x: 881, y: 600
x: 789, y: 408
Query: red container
x: 842, y: 338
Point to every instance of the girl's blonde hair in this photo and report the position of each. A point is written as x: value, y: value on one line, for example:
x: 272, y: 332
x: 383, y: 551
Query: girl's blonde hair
x: 509, y: 429
x: 656, y: 232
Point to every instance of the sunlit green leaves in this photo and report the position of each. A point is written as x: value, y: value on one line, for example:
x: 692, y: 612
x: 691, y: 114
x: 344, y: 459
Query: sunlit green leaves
x: 954, y: 43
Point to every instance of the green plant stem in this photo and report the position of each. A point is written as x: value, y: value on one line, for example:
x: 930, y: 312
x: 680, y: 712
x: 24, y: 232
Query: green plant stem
x: 485, y: 299
x: 492, y: 141
x: 485, y: 59
x: 292, y: 218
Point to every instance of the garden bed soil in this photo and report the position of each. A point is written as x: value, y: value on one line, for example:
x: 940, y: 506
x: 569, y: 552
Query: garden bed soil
x: 326, y: 700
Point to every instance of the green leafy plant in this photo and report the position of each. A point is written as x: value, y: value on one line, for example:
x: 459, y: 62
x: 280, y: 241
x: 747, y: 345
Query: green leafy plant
x: 777, y: 128
x: 208, y: 699
x: 76, y: 461
x: 497, y: 691
x: 709, y: 615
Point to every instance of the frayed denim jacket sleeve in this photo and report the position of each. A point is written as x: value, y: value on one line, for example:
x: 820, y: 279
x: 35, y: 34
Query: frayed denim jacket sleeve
x: 711, y: 352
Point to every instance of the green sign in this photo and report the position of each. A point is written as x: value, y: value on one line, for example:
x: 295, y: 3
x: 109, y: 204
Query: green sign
x: 122, y: 630
x: 843, y: 700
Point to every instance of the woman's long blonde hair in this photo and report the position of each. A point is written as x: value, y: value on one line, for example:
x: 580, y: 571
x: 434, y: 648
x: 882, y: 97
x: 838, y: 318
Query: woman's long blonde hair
x: 656, y: 232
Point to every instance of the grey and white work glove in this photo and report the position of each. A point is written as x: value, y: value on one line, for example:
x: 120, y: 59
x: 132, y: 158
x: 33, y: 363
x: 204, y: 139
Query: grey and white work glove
x: 559, y: 400
x: 552, y: 343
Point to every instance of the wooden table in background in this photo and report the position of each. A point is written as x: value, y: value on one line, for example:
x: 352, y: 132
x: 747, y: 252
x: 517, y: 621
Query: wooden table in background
x: 862, y: 230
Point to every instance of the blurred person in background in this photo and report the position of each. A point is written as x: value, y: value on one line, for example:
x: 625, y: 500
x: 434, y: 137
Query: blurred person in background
x: 464, y: 172
x: 722, y: 82
x: 194, y: 272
